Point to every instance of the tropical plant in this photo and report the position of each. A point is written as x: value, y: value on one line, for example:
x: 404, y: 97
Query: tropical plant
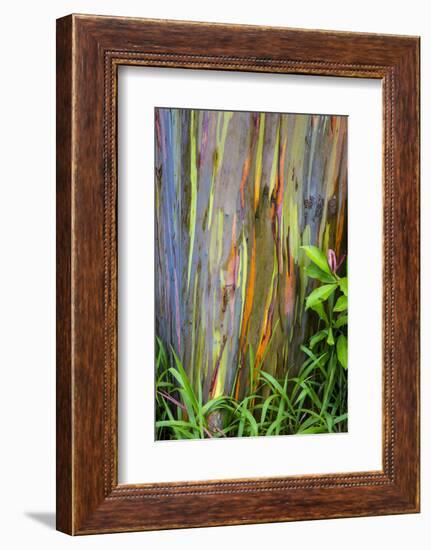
x: 329, y: 342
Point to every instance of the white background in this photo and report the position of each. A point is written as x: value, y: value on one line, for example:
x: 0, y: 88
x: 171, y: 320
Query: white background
x: 27, y: 230
x: 141, y: 458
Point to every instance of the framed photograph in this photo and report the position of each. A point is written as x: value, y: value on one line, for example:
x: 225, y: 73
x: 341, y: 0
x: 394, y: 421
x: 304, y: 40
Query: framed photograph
x: 237, y: 274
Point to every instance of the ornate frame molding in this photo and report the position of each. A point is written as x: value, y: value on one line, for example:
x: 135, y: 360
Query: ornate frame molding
x: 89, y: 498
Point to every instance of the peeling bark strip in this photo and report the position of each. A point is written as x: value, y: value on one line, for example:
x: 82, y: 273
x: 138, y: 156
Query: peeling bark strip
x: 237, y: 194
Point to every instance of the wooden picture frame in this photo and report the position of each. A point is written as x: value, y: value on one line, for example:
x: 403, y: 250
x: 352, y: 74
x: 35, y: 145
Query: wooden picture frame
x: 89, y: 52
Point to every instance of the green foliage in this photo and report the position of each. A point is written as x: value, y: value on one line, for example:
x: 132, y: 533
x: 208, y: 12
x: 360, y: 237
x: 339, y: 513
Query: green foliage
x: 320, y: 294
x: 318, y: 257
x: 308, y: 400
x: 329, y: 301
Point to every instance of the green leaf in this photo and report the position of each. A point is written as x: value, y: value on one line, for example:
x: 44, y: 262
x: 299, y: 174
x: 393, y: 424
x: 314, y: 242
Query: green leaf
x: 311, y: 420
x: 187, y: 393
x: 253, y: 427
x: 308, y: 352
x: 318, y: 337
x: 340, y: 418
x: 265, y: 408
x: 341, y: 321
x: 311, y: 430
x: 317, y: 257
x: 181, y: 376
x: 277, y: 387
x: 220, y: 402
x: 343, y: 285
x: 329, y: 383
x: 173, y: 424
x: 319, y: 294
x: 320, y: 310
x: 316, y: 273
x: 311, y: 392
x: 277, y: 424
x: 341, y: 304
x: 330, y: 338
x: 162, y: 356
x: 317, y: 363
x: 329, y: 421
x: 342, y: 350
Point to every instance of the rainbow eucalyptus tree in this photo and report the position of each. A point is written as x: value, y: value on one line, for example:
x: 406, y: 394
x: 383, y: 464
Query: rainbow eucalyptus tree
x: 237, y: 194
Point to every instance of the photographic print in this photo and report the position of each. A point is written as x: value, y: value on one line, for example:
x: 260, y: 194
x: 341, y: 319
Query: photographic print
x: 202, y: 266
x: 250, y: 274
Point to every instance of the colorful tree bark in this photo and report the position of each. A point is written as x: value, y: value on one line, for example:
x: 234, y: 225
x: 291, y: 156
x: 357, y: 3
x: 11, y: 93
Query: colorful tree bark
x: 237, y: 194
